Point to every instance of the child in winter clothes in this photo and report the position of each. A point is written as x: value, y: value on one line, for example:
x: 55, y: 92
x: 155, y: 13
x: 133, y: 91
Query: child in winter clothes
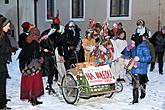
x: 121, y: 43
x: 140, y: 52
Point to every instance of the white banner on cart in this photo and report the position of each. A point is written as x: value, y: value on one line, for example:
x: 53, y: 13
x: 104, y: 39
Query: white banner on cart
x: 99, y: 75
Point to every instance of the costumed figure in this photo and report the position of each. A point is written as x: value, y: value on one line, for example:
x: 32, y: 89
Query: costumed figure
x: 50, y: 40
x: 60, y: 65
x: 30, y: 66
x: 26, y: 26
x: 88, y: 42
x: 114, y: 31
x: 119, y: 64
x: 72, y: 45
x: 141, y: 29
x: 103, y: 50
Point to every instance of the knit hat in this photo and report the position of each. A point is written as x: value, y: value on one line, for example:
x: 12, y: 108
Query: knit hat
x: 3, y: 21
x: 137, y: 39
x: 163, y: 28
x: 26, y: 25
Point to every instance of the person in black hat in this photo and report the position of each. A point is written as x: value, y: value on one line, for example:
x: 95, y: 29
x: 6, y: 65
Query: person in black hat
x: 5, y: 55
x: 158, y: 41
x: 140, y: 53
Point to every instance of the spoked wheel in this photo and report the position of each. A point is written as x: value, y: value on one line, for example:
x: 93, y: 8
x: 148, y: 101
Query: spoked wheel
x: 110, y: 94
x: 69, y: 88
x: 118, y: 86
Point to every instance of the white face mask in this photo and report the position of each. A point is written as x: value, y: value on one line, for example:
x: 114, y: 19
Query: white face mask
x: 140, y: 26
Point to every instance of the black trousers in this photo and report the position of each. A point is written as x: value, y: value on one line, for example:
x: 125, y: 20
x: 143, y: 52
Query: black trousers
x: 51, y: 70
x: 3, y: 73
x: 139, y: 82
x: 158, y: 55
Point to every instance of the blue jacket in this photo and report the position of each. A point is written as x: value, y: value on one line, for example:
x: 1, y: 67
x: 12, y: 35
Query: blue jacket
x: 143, y: 52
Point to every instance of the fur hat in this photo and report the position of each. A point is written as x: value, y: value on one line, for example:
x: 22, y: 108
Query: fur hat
x: 3, y: 21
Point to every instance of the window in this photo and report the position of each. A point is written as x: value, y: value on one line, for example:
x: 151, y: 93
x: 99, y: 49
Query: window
x: 50, y: 7
x: 77, y: 9
x: 6, y: 1
x: 119, y: 9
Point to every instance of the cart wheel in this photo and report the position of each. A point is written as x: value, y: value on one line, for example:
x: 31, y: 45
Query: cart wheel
x: 110, y: 94
x: 118, y: 86
x: 69, y: 89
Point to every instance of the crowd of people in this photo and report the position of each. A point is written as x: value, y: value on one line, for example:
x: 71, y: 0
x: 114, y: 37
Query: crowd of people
x: 100, y: 44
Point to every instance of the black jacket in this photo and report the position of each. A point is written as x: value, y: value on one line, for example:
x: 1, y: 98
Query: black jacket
x: 158, y: 41
x: 53, y: 42
x: 5, y: 49
x: 22, y: 39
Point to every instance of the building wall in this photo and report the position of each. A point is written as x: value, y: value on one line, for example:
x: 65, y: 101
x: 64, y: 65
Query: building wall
x: 10, y: 12
x: 97, y: 9
x: 26, y: 12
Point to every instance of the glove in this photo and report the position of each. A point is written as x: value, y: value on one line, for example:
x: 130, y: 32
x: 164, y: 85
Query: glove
x: 136, y: 58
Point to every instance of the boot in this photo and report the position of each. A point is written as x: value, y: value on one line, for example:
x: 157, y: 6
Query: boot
x: 143, y: 92
x: 51, y: 90
x: 35, y: 102
x: 135, y: 96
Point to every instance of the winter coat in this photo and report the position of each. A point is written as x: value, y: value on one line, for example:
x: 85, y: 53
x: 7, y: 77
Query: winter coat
x: 22, y: 39
x: 70, y: 39
x: 158, y: 41
x: 143, y: 52
x: 5, y: 50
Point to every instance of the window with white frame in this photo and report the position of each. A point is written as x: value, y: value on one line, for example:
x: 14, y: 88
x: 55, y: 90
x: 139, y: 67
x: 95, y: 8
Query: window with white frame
x: 119, y: 9
x: 77, y: 9
x: 50, y: 7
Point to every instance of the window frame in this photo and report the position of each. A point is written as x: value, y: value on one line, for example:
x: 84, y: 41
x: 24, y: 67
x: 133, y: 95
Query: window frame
x: 77, y: 19
x: 129, y: 17
x: 49, y: 20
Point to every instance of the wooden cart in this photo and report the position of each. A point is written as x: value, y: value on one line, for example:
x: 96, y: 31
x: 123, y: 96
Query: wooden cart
x: 75, y: 84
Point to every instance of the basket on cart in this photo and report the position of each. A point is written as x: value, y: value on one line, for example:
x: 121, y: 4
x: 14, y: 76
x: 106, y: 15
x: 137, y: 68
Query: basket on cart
x: 78, y: 83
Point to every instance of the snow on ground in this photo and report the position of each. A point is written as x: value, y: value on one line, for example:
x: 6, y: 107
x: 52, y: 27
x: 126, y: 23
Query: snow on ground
x: 154, y: 100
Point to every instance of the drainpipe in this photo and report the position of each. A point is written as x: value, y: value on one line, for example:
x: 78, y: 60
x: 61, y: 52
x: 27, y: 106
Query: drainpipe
x: 18, y: 22
x: 35, y: 12
x: 159, y: 16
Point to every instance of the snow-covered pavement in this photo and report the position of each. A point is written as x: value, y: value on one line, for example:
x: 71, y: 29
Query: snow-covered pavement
x: 154, y: 100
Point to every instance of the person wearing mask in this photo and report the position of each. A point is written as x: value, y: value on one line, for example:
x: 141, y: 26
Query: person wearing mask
x: 139, y: 52
x: 72, y: 45
x: 158, y: 41
x: 51, y: 40
x: 5, y: 55
x: 142, y: 29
